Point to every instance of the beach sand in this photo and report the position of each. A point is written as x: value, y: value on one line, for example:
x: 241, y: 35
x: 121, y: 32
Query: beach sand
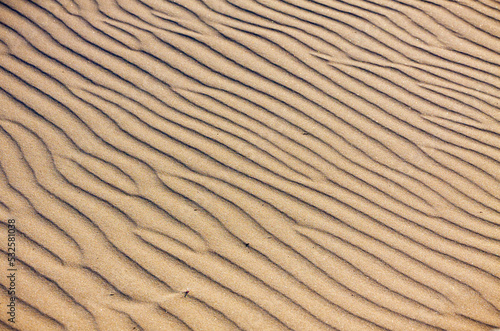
x: 249, y: 165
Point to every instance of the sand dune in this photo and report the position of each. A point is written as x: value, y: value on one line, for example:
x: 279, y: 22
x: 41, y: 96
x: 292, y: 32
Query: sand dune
x: 251, y: 164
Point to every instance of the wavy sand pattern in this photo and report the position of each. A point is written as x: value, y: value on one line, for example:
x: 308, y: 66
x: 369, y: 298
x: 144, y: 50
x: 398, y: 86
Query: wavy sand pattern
x: 251, y: 164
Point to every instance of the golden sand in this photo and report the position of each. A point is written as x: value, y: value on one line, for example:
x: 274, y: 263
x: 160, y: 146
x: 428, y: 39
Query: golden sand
x: 250, y: 165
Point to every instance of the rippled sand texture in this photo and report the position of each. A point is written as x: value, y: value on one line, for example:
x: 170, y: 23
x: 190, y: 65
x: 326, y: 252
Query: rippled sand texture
x: 251, y: 164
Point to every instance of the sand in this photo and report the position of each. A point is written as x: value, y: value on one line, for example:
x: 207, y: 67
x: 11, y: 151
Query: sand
x: 250, y: 165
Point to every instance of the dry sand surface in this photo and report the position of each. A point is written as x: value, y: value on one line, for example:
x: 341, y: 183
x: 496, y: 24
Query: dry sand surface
x: 250, y: 165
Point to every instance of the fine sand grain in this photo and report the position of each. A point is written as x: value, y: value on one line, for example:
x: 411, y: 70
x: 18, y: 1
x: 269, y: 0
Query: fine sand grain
x: 250, y: 164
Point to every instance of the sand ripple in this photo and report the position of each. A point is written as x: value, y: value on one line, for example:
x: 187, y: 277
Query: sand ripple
x: 251, y: 164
